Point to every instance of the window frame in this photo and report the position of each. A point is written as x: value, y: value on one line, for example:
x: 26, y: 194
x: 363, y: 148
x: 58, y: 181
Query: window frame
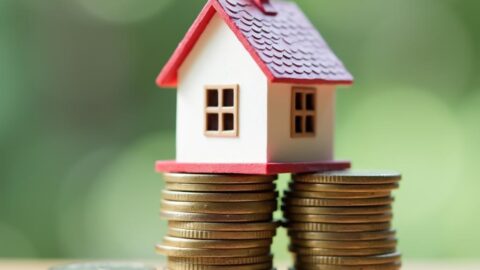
x: 220, y: 110
x: 304, y: 113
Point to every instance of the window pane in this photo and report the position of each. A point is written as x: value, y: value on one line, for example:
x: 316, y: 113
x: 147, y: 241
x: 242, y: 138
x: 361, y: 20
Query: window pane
x: 298, y: 124
x: 212, y: 98
x: 309, y: 124
x: 310, y: 102
x: 228, y: 122
x: 212, y: 122
x: 298, y: 101
x: 228, y: 98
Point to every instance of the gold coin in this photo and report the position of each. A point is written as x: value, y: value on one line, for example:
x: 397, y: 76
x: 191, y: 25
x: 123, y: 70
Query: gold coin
x: 215, y: 244
x: 308, y: 251
x: 390, y: 266
x: 372, y: 244
x: 229, y: 227
x: 356, y: 236
x: 349, y: 177
x: 185, y: 266
x: 218, y: 197
x: 220, y: 208
x: 356, y: 261
x: 337, y: 202
x: 340, y: 218
x: 199, y: 252
x: 219, y: 188
x: 365, y: 210
x: 335, y: 195
x: 344, y: 188
x: 325, y: 227
x: 220, y: 235
x: 226, y: 179
x: 222, y: 261
x: 199, y: 217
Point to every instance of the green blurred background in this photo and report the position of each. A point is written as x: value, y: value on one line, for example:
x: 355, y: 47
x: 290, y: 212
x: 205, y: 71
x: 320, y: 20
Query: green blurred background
x: 81, y: 121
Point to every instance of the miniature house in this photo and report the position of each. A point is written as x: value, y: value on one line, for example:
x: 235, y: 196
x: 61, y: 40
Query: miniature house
x: 256, y: 91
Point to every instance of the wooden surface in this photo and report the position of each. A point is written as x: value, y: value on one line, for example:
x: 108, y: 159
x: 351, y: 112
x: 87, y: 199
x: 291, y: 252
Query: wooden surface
x: 43, y: 265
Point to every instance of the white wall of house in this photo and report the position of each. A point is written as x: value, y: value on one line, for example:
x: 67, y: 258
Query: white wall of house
x: 220, y: 58
x: 283, y: 148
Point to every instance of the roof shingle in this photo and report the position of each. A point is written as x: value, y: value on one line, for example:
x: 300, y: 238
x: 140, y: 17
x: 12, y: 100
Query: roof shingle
x: 286, y: 46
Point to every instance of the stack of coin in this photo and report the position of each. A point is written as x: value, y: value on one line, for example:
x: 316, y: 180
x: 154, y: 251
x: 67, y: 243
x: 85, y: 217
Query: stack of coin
x: 342, y: 220
x: 218, y: 221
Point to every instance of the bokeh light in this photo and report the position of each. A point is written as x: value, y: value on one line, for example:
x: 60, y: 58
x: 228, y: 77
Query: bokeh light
x: 72, y: 221
x: 419, y: 135
x: 463, y: 209
x: 129, y: 185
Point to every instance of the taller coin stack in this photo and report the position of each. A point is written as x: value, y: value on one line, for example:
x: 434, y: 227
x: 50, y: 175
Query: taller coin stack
x: 218, y: 221
x: 342, y: 220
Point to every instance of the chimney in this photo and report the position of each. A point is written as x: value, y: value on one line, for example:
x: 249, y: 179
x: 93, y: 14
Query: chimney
x: 266, y: 7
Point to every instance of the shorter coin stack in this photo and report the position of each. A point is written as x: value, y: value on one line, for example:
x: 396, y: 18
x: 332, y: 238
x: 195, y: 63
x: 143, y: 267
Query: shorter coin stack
x: 218, y: 221
x: 342, y: 220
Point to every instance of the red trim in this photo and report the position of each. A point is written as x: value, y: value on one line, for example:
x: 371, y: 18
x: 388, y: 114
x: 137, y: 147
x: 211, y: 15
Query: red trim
x: 168, y: 75
x: 251, y: 168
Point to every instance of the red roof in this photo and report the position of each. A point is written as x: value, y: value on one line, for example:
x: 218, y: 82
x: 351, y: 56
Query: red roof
x: 286, y: 46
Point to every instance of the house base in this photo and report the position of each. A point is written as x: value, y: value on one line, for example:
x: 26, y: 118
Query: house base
x: 251, y: 168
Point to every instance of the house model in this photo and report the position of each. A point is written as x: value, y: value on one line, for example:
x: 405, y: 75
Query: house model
x: 256, y: 92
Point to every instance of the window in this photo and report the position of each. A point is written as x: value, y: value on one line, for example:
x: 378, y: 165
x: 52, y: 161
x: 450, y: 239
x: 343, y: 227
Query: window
x: 221, y: 111
x: 303, y: 118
